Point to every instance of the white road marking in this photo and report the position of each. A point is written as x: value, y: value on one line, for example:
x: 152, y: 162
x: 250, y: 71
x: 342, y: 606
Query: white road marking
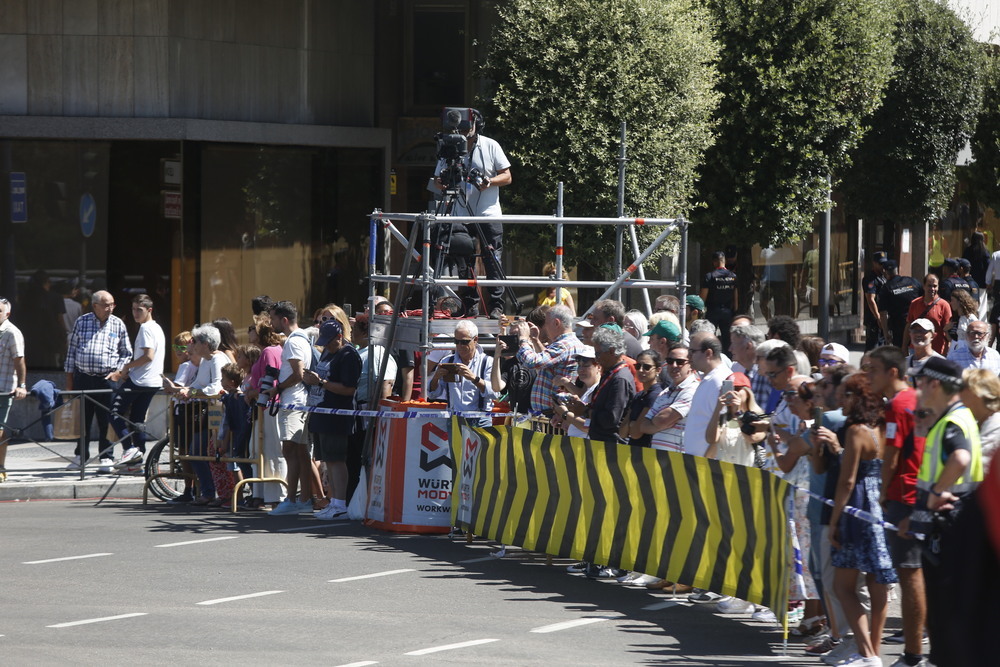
x: 207, y: 539
x: 369, y: 576
x: 96, y: 620
x: 313, y: 526
x: 661, y: 605
x: 566, y: 625
x: 476, y: 560
x: 363, y: 663
x: 449, y: 647
x: 57, y: 560
x: 239, y: 597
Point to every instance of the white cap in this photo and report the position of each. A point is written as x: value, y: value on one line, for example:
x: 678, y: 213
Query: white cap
x: 837, y: 351
x: 587, y: 352
x: 923, y: 323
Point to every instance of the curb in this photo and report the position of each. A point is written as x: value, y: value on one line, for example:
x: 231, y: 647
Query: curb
x: 130, y: 489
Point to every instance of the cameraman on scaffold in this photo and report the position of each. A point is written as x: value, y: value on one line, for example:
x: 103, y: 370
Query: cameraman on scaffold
x: 482, y: 199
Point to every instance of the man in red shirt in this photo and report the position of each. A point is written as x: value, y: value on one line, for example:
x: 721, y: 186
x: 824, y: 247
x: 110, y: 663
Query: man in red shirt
x: 932, y: 307
x: 886, y: 370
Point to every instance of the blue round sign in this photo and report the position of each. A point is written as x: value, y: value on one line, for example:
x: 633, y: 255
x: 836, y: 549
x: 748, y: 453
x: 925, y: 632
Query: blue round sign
x: 88, y: 214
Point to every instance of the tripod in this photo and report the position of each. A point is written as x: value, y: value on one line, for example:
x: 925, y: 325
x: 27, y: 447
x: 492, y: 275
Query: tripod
x: 445, y: 206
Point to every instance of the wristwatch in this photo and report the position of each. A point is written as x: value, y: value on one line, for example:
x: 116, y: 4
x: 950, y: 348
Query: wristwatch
x: 22, y: 386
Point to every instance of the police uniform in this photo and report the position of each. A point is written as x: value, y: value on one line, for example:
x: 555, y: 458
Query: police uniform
x: 721, y: 301
x: 873, y: 283
x: 894, y: 299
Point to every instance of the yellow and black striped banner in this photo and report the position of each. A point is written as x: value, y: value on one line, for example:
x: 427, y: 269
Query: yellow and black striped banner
x: 688, y: 519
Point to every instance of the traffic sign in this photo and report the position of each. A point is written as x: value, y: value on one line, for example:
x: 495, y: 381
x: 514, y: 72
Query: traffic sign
x: 18, y: 197
x: 88, y: 214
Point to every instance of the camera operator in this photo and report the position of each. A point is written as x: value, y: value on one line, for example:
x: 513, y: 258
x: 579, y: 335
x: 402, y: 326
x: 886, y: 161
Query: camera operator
x: 487, y: 169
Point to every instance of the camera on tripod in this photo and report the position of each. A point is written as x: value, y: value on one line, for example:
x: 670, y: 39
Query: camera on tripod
x: 452, y: 147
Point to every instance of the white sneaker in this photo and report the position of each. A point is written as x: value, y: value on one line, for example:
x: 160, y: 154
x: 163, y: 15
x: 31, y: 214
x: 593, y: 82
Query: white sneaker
x: 902, y: 663
x: 765, y: 615
x: 643, y: 580
x: 628, y: 577
x: 735, y: 606
x: 74, y: 464
x: 331, y: 513
x: 858, y: 660
x: 131, y: 456
x: 105, y: 466
x: 845, y: 649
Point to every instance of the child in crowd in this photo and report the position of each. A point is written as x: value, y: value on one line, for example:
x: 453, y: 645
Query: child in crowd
x: 234, y: 434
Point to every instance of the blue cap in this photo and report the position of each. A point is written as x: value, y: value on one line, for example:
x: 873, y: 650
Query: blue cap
x: 328, y: 331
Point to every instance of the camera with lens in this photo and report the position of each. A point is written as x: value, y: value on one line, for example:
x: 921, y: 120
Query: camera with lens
x: 749, y: 421
x: 477, y: 178
x: 267, y: 384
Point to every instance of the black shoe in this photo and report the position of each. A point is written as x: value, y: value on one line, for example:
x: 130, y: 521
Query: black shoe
x: 182, y: 499
x: 496, y: 313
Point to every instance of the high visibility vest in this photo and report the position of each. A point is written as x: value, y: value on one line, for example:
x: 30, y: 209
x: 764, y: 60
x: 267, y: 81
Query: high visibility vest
x: 932, y: 465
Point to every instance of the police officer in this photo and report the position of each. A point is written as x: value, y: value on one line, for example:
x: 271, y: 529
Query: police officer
x: 873, y: 280
x: 720, y: 295
x: 951, y: 280
x: 951, y: 469
x: 894, y: 301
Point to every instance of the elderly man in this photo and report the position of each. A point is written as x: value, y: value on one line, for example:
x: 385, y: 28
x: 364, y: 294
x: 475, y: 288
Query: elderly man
x: 98, y: 348
x: 12, y: 375
x: 554, y: 361
x: 609, y: 311
x: 614, y: 392
x: 743, y: 342
x: 975, y: 353
x: 461, y: 379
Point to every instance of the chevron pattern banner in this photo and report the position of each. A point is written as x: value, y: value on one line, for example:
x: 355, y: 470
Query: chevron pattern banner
x: 687, y: 519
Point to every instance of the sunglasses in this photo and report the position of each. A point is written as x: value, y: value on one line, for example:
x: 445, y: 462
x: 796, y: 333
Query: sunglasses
x: 3, y: 300
x: 180, y: 348
x: 827, y: 362
x: 773, y: 374
x: 675, y: 362
x: 463, y: 341
x: 645, y: 367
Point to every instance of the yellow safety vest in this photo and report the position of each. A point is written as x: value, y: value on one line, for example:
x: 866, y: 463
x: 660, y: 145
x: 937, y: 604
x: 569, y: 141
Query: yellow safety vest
x: 932, y: 465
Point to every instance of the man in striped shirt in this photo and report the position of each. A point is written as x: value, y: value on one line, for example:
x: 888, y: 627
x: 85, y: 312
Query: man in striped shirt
x: 667, y: 416
x: 552, y: 362
x: 97, y: 348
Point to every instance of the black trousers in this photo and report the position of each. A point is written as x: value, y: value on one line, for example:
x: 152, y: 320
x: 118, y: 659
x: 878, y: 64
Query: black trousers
x: 84, y: 382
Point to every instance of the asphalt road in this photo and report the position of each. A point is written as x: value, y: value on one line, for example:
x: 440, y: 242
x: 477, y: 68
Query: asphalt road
x: 117, y: 583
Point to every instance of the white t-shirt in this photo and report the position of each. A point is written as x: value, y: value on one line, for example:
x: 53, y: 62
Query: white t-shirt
x: 489, y: 158
x: 390, y: 372
x: 573, y: 429
x: 706, y: 397
x: 296, y: 347
x: 150, y: 336
x: 208, y: 379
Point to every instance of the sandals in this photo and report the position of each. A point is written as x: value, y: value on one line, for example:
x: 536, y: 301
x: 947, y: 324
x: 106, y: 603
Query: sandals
x: 809, y: 627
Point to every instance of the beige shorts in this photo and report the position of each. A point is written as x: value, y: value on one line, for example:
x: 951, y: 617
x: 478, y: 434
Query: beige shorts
x: 292, y: 426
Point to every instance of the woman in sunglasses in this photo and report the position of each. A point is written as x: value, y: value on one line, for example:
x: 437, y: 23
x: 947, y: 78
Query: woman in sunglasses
x: 647, y: 368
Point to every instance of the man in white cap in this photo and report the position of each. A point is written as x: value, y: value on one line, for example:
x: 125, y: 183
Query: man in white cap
x: 976, y: 353
x: 833, y: 354
x: 921, y: 335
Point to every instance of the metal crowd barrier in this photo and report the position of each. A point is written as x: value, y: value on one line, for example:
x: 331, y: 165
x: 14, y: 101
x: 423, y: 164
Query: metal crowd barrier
x: 194, y: 436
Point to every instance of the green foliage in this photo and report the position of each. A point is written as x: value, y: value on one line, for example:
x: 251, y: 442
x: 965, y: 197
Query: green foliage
x: 797, y: 79
x: 566, y: 73
x: 904, y: 168
x: 984, y: 173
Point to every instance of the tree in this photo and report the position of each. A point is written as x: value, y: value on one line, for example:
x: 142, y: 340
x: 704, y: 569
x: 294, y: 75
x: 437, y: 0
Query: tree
x: 797, y: 78
x: 984, y: 172
x: 904, y: 169
x: 566, y: 73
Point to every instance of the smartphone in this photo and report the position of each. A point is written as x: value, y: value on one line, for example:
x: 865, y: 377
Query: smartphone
x: 817, y: 417
x: 511, y: 342
x: 348, y: 309
x: 727, y: 386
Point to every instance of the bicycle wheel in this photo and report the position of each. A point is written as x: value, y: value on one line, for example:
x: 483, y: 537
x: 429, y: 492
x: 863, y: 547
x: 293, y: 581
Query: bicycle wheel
x: 158, y: 462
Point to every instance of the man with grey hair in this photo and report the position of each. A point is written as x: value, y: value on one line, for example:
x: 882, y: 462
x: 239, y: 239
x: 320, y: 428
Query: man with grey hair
x: 616, y: 389
x: 557, y: 360
x: 98, y: 347
x: 461, y: 378
x: 767, y: 392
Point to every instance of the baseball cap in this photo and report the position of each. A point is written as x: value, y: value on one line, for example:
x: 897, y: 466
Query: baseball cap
x: 695, y: 301
x: 951, y: 262
x: 836, y: 350
x: 879, y: 256
x: 328, y: 331
x: 665, y: 329
x: 964, y: 263
x: 923, y: 323
x: 740, y: 380
x: 890, y: 265
x: 587, y: 352
x: 939, y: 368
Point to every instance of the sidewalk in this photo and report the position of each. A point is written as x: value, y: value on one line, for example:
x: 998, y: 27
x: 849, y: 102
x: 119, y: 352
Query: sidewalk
x: 37, y: 472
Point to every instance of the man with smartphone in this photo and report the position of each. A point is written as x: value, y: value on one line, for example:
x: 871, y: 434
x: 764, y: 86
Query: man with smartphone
x: 706, y: 358
x: 461, y: 378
